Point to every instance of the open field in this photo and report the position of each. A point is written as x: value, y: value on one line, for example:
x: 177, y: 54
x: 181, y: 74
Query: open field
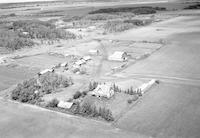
x: 166, y: 111
x: 18, y: 121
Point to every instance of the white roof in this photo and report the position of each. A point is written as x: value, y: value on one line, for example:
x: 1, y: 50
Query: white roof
x: 144, y: 87
x: 46, y: 70
x: 104, y: 90
x: 63, y: 64
x: 66, y: 105
x: 86, y: 58
x: 93, y: 50
x: 80, y: 62
x: 117, y: 55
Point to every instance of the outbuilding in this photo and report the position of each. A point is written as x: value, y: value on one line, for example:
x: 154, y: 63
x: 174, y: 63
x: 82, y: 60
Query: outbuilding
x: 118, y: 56
x: 65, y: 105
x: 94, y: 52
x: 45, y: 71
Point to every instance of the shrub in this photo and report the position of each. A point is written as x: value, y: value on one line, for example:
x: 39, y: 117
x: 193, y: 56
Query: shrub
x: 77, y: 95
x: 53, y: 103
x: 129, y: 101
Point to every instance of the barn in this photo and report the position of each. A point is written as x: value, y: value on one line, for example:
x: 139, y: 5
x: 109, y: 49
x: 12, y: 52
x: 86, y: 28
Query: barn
x: 118, y: 56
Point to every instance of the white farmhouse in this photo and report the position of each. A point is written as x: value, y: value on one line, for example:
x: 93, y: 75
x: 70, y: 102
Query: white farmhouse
x: 103, y: 90
x: 118, y: 56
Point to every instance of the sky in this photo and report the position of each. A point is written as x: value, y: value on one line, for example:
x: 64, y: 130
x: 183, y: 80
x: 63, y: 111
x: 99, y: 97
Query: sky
x: 13, y: 1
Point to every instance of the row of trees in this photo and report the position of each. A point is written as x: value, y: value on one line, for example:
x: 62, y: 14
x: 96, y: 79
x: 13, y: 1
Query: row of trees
x: 86, y: 109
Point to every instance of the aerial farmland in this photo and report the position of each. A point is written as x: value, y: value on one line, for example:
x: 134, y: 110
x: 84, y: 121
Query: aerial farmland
x: 100, y: 69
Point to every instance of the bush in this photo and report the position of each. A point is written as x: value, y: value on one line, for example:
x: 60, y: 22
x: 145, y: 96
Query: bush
x: 77, y: 95
x: 53, y: 103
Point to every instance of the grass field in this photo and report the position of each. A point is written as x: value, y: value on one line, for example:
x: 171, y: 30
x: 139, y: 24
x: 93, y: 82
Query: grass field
x: 166, y: 111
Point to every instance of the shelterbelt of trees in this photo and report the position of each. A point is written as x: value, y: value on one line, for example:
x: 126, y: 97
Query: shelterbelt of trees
x: 19, y: 34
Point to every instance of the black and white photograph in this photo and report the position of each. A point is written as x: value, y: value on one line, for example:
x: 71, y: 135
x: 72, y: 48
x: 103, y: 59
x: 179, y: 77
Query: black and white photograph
x: 99, y: 68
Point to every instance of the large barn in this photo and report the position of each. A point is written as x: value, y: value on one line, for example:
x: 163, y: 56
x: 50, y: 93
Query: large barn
x: 118, y: 56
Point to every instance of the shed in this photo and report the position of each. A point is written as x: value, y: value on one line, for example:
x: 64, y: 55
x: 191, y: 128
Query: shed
x: 118, y: 56
x: 94, y: 52
x: 65, y: 105
x: 45, y: 71
x: 103, y: 90
x: 144, y: 87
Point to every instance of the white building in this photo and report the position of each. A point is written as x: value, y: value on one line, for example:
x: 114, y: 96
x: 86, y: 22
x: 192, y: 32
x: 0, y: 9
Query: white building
x: 94, y: 52
x: 146, y: 86
x: 118, y: 56
x: 65, y: 105
x: 103, y: 90
x: 45, y: 71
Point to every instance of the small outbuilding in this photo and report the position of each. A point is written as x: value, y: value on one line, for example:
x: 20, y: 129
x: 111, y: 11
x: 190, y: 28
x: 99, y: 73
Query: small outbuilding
x: 94, y: 52
x: 45, y: 71
x: 103, y: 90
x: 65, y: 105
x: 118, y: 56
x: 146, y: 86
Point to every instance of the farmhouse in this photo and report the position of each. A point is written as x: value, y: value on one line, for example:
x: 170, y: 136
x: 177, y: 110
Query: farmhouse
x: 103, y: 90
x: 118, y: 56
x: 65, y: 105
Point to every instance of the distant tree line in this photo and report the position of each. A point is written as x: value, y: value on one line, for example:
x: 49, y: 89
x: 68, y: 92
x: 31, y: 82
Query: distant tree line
x: 135, y: 10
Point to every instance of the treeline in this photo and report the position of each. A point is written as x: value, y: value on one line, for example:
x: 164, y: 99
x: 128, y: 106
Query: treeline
x: 20, y: 34
x: 12, y: 41
x: 135, y: 10
x: 87, y: 109
x: 196, y: 6
x: 40, y: 30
